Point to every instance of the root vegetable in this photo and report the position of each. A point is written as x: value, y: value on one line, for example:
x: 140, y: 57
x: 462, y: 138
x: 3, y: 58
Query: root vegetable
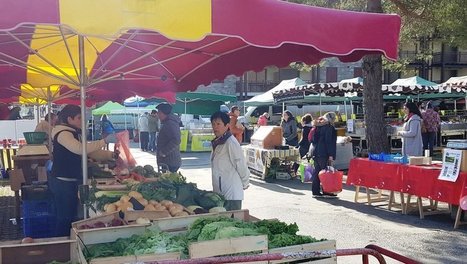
x: 166, y: 203
x: 125, y: 198
x: 143, y: 201
x: 143, y: 221
x: 135, y: 195
x: 27, y: 240
x: 110, y: 208
x: 182, y: 213
x: 149, y: 207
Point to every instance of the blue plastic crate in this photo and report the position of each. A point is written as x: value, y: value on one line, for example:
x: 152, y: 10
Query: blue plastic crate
x: 38, y: 218
x: 39, y: 227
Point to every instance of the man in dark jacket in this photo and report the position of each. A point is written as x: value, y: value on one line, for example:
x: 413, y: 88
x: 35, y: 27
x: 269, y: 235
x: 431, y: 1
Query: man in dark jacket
x: 324, y: 142
x: 168, y: 141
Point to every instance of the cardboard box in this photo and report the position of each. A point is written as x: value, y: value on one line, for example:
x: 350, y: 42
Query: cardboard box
x: 267, y: 137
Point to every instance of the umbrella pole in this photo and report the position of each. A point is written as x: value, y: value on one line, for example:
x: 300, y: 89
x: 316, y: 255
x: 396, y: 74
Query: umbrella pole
x: 49, y: 106
x: 345, y: 109
x: 82, y: 91
x: 283, y: 107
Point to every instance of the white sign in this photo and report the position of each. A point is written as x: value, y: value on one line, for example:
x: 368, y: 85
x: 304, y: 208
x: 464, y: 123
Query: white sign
x: 452, y: 159
x: 350, y: 125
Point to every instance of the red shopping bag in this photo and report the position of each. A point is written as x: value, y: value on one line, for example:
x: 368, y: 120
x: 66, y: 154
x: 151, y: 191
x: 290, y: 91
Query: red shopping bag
x: 331, y: 180
x: 125, y: 158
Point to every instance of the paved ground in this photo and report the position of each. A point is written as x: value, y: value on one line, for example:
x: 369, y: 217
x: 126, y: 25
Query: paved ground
x: 431, y: 240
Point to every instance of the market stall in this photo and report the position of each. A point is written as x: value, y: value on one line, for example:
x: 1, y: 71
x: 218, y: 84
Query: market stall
x: 418, y: 181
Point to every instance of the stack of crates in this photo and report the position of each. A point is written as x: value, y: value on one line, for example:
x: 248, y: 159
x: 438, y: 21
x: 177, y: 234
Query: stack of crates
x: 38, y: 211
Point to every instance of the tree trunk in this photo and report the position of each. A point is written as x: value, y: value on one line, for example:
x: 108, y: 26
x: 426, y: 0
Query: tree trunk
x: 373, y: 96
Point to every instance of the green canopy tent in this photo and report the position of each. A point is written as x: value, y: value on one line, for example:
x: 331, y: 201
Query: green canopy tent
x: 107, y: 108
x: 197, y: 103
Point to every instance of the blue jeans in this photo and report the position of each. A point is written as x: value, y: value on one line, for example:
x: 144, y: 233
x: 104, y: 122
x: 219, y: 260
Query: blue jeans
x: 152, y: 141
x: 429, y: 140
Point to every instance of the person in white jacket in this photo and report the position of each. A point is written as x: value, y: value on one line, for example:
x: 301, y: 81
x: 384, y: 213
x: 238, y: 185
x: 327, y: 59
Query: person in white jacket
x: 230, y: 174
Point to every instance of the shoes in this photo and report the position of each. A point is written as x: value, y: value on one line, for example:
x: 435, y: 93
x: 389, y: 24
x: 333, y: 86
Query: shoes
x: 329, y: 194
x: 317, y: 195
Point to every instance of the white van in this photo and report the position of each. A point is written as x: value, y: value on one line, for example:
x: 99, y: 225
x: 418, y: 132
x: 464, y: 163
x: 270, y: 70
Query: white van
x: 275, y: 111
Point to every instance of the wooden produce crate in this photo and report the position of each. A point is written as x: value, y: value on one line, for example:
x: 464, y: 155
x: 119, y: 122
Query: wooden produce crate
x: 182, y: 223
x: 317, y: 246
x: 111, y: 234
x: 43, y: 250
x: 131, y: 216
x: 228, y: 246
x: 105, y: 218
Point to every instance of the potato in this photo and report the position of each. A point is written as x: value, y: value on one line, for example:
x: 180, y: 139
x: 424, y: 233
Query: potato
x: 166, y: 203
x: 174, y: 210
x: 143, y: 201
x: 125, y: 198
x: 153, y: 202
x: 125, y: 207
x: 160, y: 208
x: 110, y: 208
x: 135, y: 195
x: 175, y: 205
x: 118, y: 203
x: 27, y: 240
x: 149, y: 207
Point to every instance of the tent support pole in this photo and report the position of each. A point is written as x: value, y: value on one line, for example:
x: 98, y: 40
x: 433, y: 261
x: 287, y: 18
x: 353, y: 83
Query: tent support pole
x: 49, y: 112
x: 82, y: 90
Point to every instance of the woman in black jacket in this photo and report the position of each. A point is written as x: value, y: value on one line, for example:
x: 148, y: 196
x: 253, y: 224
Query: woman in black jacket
x: 304, y: 143
x: 324, y: 142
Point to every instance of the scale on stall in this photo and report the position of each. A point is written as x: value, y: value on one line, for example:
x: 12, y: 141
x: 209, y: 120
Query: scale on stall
x: 457, y: 143
x: 35, y: 144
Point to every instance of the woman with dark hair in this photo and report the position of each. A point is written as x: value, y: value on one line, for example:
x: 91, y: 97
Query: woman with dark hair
x: 66, y: 172
x: 107, y: 128
x: 230, y: 174
x: 304, y: 144
x: 289, y: 129
x: 431, y: 122
x: 412, y: 143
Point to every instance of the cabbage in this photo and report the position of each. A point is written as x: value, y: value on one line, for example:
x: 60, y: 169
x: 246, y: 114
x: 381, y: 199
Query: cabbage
x: 232, y: 231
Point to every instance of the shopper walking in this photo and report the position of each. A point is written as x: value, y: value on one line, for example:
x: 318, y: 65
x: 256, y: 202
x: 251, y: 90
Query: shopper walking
x: 324, y: 143
x: 168, y: 141
x: 107, y: 129
x: 431, y: 121
x: 236, y: 128
x: 304, y: 144
x: 412, y: 143
x: 143, y: 125
x: 153, y: 127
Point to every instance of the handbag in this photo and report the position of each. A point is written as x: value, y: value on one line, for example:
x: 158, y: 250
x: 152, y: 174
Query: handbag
x: 331, y: 180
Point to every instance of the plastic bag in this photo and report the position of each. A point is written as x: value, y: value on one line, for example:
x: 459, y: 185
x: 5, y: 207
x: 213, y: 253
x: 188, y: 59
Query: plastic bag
x: 331, y: 180
x: 306, y: 170
x: 125, y: 158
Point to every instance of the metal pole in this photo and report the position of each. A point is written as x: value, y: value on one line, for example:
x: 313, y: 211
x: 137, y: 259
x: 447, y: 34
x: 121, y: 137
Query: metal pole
x: 82, y: 90
x: 345, y: 109
x: 49, y: 106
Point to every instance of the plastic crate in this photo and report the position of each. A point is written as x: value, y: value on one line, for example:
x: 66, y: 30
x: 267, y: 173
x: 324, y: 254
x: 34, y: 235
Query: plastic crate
x: 35, y: 192
x: 35, y: 137
x: 38, y: 218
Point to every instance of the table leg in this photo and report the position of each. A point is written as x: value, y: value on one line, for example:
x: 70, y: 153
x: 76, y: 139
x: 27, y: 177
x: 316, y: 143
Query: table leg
x: 17, y: 207
x: 420, y: 207
x: 357, y: 193
x: 392, y: 201
x: 458, y: 221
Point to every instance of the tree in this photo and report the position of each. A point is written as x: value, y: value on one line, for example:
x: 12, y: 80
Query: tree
x: 445, y: 20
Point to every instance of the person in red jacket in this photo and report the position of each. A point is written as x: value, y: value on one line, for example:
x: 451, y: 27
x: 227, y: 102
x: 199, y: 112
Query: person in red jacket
x: 236, y: 128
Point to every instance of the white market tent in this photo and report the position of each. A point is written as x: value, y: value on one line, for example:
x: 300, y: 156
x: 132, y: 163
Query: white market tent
x: 267, y: 98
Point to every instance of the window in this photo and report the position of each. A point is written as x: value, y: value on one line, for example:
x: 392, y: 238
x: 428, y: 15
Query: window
x: 331, y: 74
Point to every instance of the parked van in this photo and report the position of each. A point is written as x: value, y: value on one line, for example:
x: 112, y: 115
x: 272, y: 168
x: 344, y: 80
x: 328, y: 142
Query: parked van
x: 275, y: 111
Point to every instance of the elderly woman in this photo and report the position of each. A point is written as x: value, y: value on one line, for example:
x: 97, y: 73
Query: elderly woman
x: 289, y: 129
x: 324, y: 142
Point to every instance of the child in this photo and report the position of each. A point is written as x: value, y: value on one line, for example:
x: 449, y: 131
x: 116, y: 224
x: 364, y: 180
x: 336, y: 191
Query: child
x: 230, y: 174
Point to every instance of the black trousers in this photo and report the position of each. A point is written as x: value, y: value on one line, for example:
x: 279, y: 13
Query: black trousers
x: 65, y: 197
x: 144, y: 139
x: 320, y: 164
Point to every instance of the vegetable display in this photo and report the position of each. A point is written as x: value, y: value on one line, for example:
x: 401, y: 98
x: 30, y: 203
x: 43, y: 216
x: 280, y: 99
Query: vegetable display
x: 153, y: 241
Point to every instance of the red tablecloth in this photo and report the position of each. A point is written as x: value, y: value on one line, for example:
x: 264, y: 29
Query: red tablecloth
x: 416, y: 180
x: 379, y: 175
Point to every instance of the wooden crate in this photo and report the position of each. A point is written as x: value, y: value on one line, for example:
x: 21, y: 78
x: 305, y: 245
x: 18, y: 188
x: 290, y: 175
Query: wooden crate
x: 182, y: 223
x: 111, y: 234
x: 228, y: 246
x: 317, y: 246
x: 43, y: 250
x: 105, y: 218
x: 131, y: 216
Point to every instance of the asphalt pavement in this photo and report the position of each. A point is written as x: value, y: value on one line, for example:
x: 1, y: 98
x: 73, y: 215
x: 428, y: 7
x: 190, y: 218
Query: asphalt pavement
x: 352, y: 225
